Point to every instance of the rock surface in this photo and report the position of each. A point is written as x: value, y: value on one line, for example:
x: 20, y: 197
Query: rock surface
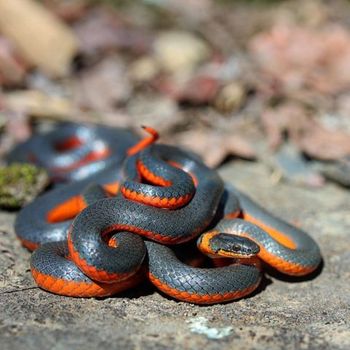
x: 283, y: 314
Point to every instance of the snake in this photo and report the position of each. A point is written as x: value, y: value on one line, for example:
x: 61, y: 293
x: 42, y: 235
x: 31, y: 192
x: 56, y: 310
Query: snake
x: 106, y: 233
x: 73, y: 152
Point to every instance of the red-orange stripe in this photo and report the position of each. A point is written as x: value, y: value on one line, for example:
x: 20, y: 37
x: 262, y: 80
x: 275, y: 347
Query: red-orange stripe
x: 82, y: 289
x: 200, y: 298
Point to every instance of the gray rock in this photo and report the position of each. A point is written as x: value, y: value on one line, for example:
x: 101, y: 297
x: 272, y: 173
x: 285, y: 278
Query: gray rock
x: 283, y: 314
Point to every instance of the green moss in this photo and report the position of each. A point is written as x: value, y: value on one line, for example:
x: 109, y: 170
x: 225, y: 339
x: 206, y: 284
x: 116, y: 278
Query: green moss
x: 20, y: 183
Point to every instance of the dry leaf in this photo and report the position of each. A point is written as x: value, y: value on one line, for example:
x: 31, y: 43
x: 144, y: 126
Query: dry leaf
x: 215, y: 146
x: 296, y: 58
x: 104, y: 86
x: 288, y: 118
x: 194, y: 90
x: 322, y: 143
x: 313, y: 138
x: 103, y: 30
x: 69, y: 10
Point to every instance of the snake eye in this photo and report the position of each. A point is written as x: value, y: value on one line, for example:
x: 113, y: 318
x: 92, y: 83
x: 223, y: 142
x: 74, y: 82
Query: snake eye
x: 233, y: 246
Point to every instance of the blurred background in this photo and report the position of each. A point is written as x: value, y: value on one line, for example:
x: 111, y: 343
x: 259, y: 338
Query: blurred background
x: 259, y: 88
x: 263, y: 81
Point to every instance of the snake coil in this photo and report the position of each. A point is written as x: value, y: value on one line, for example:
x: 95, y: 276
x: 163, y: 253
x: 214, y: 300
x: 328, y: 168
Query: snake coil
x: 105, y: 233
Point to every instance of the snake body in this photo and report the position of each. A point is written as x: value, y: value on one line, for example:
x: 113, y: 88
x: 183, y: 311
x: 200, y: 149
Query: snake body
x: 165, y: 196
x: 72, y: 152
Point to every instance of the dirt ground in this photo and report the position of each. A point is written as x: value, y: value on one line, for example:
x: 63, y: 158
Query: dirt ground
x: 289, y: 314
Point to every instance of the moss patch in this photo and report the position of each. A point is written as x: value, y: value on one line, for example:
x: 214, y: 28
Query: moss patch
x: 20, y: 183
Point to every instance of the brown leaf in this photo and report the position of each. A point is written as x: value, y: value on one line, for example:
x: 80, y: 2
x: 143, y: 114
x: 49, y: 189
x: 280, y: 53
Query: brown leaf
x: 214, y: 146
x: 322, y: 143
x: 199, y: 90
x: 306, y: 132
x: 293, y: 58
x: 12, y: 67
x: 69, y: 10
x: 288, y: 118
x: 195, y: 90
x: 103, y: 30
x: 103, y: 86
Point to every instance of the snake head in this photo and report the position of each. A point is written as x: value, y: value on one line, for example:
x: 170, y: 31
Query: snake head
x: 218, y: 244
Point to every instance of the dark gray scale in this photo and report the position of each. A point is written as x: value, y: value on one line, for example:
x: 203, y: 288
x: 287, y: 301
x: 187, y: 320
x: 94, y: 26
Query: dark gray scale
x: 228, y: 204
x: 181, y: 182
x: 174, y: 226
x: 44, y: 147
x: 86, y: 236
x: 93, y: 137
x: 165, y: 266
x: 93, y: 193
x: 51, y: 259
x: 31, y: 223
x: 125, y: 259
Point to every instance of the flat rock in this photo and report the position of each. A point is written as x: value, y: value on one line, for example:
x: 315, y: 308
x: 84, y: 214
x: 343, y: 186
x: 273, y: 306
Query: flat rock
x: 284, y: 313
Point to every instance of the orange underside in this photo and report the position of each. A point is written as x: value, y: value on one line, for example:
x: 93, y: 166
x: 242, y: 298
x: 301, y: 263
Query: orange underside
x: 275, y: 234
x: 72, y: 207
x: 83, y: 289
x: 144, y: 142
x: 29, y: 245
x: 66, y: 210
x: 166, y: 203
x: 233, y: 215
x: 90, y: 157
x: 197, y: 298
x: 283, y: 266
x: 151, y: 177
x: 204, y: 245
x: 277, y: 262
x: 112, y: 188
x: 68, y: 144
x: 158, y: 202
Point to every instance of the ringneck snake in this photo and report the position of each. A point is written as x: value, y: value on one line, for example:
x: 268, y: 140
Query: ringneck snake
x: 104, y: 233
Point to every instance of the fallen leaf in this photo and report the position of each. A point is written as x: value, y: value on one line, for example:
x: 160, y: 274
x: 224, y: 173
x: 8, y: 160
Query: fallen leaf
x: 196, y: 89
x: 215, y: 146
x: 103, y: 86
x: 294, y: 57
x: 69, y: 10
x: 199, y: 90
x: 103, y: 29
x: 287, y: 118
x: 307, y: 132
x: 322, y: 143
